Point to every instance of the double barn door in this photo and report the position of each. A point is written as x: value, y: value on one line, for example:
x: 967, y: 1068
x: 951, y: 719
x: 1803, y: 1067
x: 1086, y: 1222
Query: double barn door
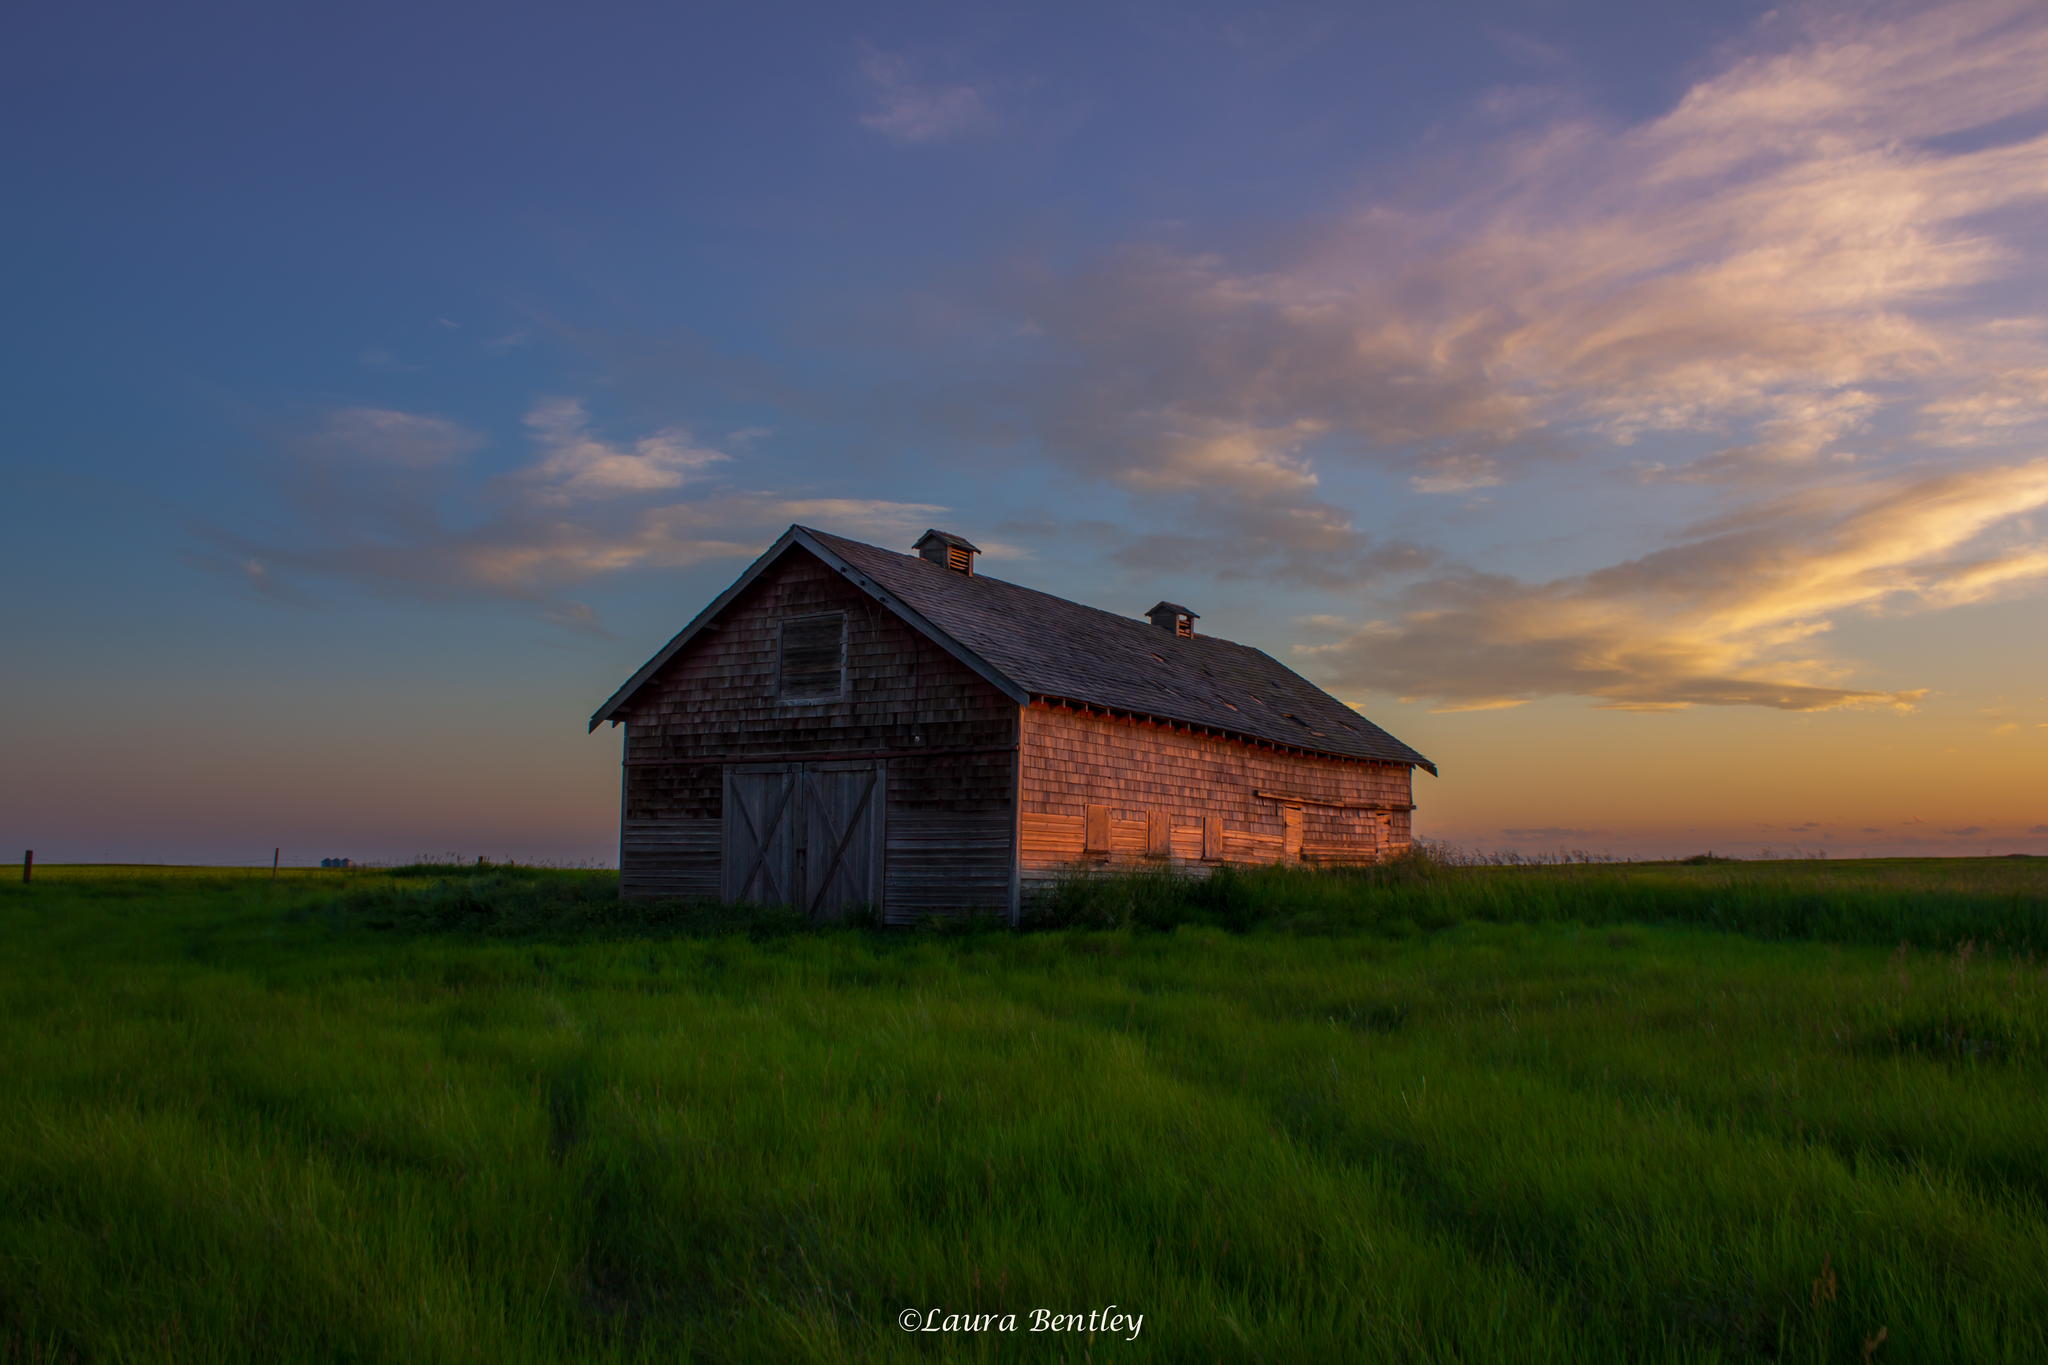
x: 805, y: 834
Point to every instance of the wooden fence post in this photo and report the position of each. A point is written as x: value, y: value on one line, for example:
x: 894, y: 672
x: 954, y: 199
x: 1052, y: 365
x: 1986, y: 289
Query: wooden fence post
x: 273, y: 862
x: 28, y: 865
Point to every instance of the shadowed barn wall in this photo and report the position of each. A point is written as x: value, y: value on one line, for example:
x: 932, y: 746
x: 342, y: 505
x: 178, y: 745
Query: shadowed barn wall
x: 949, y: 819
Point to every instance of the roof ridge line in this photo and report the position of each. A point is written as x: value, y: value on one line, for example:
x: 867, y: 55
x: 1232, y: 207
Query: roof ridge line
x: 1137, y: 621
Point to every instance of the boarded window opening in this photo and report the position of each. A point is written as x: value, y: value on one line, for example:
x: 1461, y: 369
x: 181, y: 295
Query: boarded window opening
x: 1158, y: 833
x: 811, y: 664
x: 1095, y: 833
x: 959, y: 560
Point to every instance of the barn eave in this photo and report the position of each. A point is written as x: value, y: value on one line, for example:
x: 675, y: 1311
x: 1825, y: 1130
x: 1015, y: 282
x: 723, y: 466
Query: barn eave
x: 1193, y: 727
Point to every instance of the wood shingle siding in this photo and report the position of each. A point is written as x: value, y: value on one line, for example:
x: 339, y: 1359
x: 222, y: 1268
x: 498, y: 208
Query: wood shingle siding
x: 1221, y: 800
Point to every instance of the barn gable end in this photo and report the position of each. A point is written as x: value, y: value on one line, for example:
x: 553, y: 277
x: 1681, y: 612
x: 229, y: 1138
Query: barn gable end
x: 710, y: 727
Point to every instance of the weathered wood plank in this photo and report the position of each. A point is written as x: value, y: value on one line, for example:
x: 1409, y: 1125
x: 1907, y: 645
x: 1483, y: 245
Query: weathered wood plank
x: 1158, y: 832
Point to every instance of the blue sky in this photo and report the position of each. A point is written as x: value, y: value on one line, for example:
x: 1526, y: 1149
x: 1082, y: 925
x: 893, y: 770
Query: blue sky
x: 1618, y: 402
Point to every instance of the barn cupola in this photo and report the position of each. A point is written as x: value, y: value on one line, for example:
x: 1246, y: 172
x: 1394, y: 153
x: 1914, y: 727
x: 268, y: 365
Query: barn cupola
x: 1174, y: 617
x: 948, y: 551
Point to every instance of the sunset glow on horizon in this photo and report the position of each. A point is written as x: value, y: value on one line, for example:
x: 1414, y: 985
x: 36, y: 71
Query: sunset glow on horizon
x: 1638, y: 413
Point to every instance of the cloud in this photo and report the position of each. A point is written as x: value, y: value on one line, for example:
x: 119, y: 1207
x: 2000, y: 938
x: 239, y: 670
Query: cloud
x: 1207, y: 397
x: 1814, y: 264
x: 1783, y: 251
x: 381, y: 499
x: 1998, y: 409
x: 382, y: 436
x: 1965, y: 832
x: 908, y: 109
x: 1205, y: 456
x: 1151, y: 345
x: 1803, y: 429
x: 1248, y: 504
x: 1313, y: 547
x: 574, y: 464
x: 1725, y: 618
x: 1456, y: 474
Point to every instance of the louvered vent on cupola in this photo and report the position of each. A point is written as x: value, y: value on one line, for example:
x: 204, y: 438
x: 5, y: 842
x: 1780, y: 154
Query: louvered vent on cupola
x: 1174, y: 617
x: 948, y: 551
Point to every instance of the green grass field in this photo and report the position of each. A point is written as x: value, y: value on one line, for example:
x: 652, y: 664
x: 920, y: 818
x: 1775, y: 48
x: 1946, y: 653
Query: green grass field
x: 1438, y: 1114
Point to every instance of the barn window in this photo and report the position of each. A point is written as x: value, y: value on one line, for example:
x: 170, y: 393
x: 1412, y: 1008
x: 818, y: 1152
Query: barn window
x: 811, y: 663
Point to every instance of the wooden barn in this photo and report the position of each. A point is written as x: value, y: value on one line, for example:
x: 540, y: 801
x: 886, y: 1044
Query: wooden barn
x: 846, y: 725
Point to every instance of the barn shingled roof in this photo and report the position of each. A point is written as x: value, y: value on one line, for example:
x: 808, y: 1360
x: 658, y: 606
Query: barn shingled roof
x: 1050, y: 647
